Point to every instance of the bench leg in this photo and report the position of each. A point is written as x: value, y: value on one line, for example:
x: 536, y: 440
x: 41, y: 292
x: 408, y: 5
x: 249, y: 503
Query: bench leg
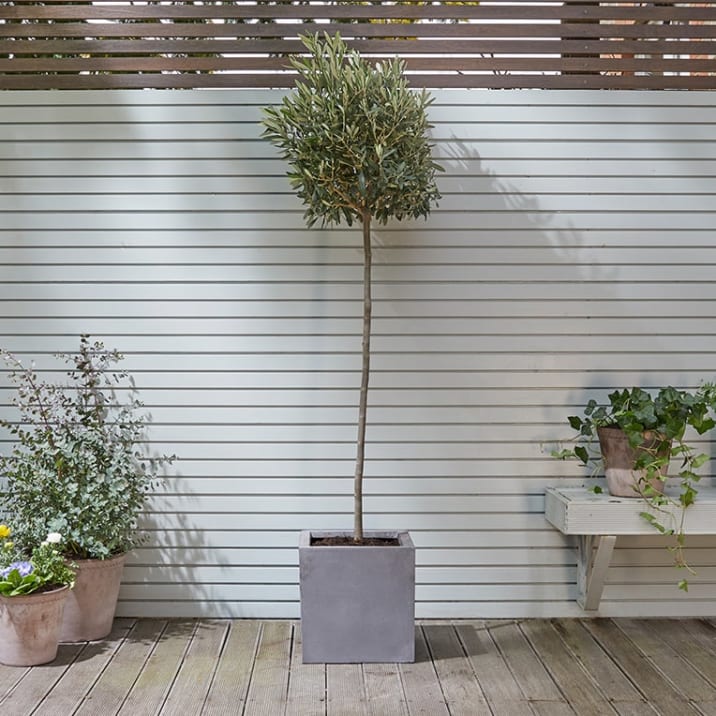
x: 592, y: 568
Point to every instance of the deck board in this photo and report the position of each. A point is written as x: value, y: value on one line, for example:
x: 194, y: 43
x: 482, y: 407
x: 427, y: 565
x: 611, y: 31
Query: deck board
x: 78, y: 679
x: 423, y: 694
x: 530, y: 673
x: 649, y: 680
x: 193, y: 679
x: 268, y: 688
x: 574, y: 682
x: 229, y: 688
x: 501, y: 690
x: 210, y: 667
x: 460, y: 688
x: 307, y: 683
x: 345, y: 694
x: 597, y: 662
x: 38, y: 682
x: 677, y: 670
x: 384, y: 690
x: 155, y: 681
x: 111, y: 688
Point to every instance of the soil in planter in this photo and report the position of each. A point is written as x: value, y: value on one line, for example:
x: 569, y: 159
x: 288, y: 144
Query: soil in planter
x: 348, y: 541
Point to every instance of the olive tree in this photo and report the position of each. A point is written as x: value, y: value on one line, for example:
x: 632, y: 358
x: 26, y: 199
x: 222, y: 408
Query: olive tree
x: 355, y: 139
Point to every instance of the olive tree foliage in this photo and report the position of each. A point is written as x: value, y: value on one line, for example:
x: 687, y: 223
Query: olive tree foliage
x: 355, y: 138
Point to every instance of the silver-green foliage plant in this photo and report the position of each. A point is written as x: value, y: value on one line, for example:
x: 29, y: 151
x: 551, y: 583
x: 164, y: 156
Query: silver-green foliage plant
x: 78, y: 465
x: 355, y: 139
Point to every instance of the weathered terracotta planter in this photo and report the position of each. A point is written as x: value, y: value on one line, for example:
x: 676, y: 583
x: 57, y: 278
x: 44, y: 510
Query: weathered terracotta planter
x: 619, y: 458
x: 90, y: 608
x: 357, y: 603
x: 30, y: 627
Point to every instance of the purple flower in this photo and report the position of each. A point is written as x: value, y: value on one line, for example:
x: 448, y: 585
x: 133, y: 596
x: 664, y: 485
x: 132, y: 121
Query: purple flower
x: 24, y: 568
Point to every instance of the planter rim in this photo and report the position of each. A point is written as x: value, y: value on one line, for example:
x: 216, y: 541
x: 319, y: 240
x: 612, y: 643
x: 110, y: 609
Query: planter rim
x: 47, y: 595
x: 616, y: 430
x: 402, y: 536
x: 96, y: 562
x: 109, y: 558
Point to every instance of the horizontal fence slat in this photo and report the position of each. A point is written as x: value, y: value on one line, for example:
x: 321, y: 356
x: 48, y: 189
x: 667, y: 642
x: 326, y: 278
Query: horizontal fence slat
x: 572, y: 254
x: 184, y: 45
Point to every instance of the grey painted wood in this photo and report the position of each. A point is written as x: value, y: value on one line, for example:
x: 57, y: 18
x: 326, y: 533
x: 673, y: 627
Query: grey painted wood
x: 578, y: 511
x: 572, y: 253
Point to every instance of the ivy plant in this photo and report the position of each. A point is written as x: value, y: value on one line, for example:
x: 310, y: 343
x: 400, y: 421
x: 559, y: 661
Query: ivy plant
x: 355, y: 138
x: 656, y: 426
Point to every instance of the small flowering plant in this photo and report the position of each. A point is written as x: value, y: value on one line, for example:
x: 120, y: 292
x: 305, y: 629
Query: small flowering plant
x: 45, y: 569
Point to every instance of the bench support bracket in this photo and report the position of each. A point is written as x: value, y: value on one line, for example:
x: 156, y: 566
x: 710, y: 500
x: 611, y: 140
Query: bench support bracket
x: 594, y: 552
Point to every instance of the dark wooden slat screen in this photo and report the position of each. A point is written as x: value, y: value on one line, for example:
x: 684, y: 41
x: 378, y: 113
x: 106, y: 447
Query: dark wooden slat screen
x: 503, y: 44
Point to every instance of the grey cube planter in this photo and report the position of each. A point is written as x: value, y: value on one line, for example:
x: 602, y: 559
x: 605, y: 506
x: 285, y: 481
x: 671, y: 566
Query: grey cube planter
x: 357, y: 603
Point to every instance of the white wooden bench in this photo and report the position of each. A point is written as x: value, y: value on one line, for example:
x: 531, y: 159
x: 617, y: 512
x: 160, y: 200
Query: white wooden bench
x: 597, y: 521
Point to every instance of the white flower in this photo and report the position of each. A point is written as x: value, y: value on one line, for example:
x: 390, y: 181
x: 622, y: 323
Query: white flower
x: 54, y: 538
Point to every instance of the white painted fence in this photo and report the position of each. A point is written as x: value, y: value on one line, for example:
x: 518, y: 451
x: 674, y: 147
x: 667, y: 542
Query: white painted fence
x: 573, y: 252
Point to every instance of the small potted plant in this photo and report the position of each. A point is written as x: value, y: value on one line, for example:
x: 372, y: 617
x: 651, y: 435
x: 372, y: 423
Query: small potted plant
x: 77, y: 468
x: 639, y: 434
x: 34, y: 585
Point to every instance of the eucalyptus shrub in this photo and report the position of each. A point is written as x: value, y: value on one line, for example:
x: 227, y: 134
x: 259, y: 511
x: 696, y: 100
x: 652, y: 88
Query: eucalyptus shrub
x: 77, y: 466
x: 355, y: 139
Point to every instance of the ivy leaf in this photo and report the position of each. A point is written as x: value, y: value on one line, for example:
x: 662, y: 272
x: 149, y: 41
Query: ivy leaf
x: 581, y: 452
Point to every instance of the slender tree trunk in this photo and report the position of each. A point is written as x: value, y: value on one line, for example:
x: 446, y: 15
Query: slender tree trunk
x: 365, y: 375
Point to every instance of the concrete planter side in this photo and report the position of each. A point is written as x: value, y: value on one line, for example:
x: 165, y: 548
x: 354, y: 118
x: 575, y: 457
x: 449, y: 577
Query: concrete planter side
x: 357, y: 603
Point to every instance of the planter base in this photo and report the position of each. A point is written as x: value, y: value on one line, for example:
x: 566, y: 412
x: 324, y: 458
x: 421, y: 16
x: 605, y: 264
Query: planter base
x: 357, y: 603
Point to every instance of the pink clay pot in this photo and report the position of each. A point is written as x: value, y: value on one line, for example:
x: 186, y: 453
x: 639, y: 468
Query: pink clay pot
x: 30, y: 627
x: 619, y: 458
x: 90, y: 608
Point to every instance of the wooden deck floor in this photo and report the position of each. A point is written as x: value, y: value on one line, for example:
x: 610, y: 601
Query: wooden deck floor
x: 253, y: 668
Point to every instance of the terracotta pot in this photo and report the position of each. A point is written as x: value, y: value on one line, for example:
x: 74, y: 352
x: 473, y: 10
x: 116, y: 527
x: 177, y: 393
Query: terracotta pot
x: 619, y: 458
x: 30, y: 627
x: 90, y: 608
